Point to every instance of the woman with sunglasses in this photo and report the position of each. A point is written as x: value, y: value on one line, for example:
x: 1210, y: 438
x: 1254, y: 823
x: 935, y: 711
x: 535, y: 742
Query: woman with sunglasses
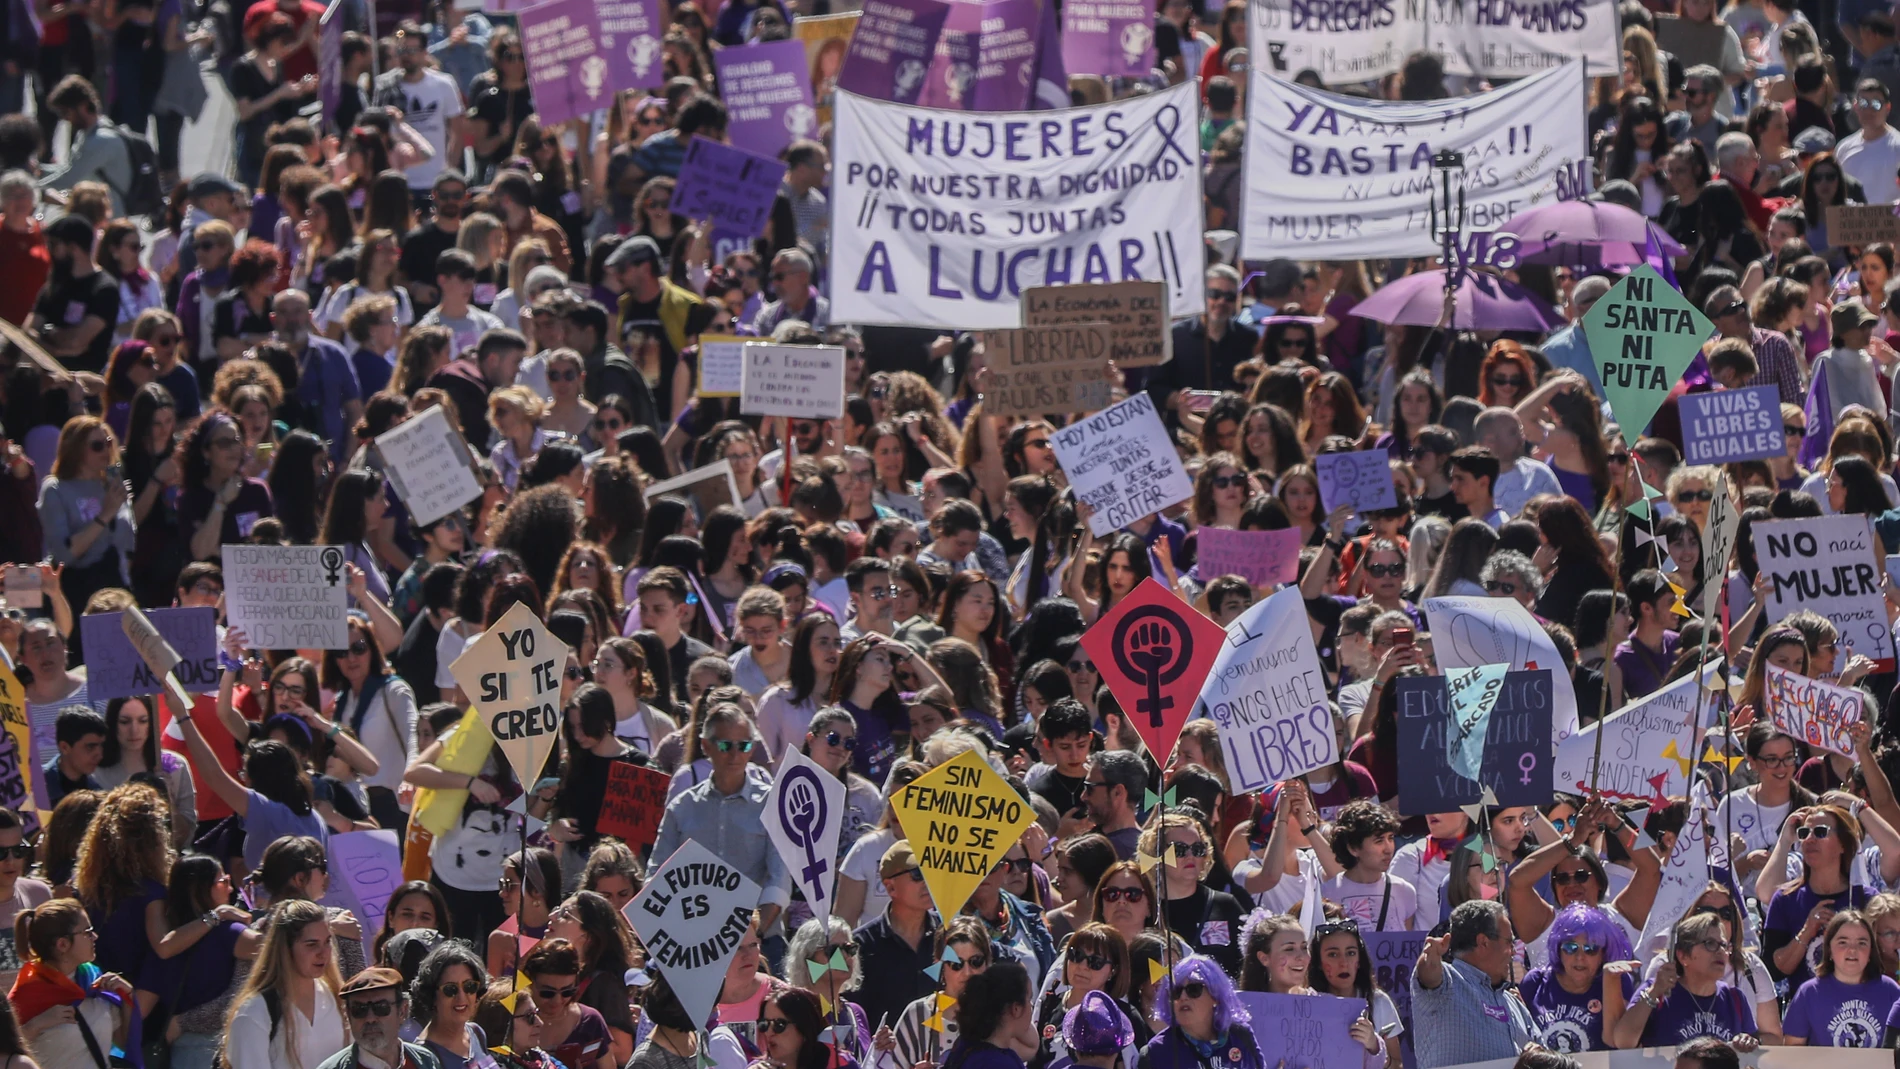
x: 831, y: 741
x: 1095, y: 961
x: 1797, y: 911
x: 1577, y: 877
x: 17, y: 891
x: 1208, y: 919
x: 1507, y: 375
x: 85, y: 511
x: 791, y: 1025
x: 447, y: 989
x: 218, y: 505
x: 1200, y: 1012
x: 1221, y: 491
x: 1689, y: 998
x: 512, y: 1023
x: 1848, y: 1001
x: 1342, y: 967
x: 1125, y: 900
x: 967, y: 939
x: 379, y: 708
x: 570, y: 413
x: 576, y: 1034
x: 1577, y: 997
x: 602, y: 937
x: 592, y: 749
x: 821, y: 959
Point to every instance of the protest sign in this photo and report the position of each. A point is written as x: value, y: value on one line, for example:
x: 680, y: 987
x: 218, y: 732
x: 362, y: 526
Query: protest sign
x: 1394, y: 955
x: 1038, y: 370
x: 767, y: 90
x: 22, y: 586
x: 1517, y: 745
x: 630, y: 36
x: 115, y: 669
x: 1685, y: 875
x: 1468, y: 631
x: 943, y: 220
x: 1643, y: 334
x: 721, y: 365
x: 1718, y: 541
x: 1312, y: 1031
x: 961, y: 818
x: 1723, y: 426
x: 1154, y: 652
x: 1335, y: 177
x: 365, y: 869
x: 1353, y: 43
x: 1140, y: 333
x: 891, y: 49
x: 633, y: 804
x: 800, y: 381
x: 1362, y: 479
x: 512, y: 676
x: 287, y: 597
x: 804, y: 816
x: 567, y: 63
x: 1648, y: 747
x: 692, y: 915
x: 1112, y: 38
x: 1828, y: 564
x: 826, y: 39
x: 429, y: 463
x: 1122, y: 464
x: 1267, y: 696
x: 1817, y: 713
x: 707, y: 487
x: 16, y: 751
x: 1861, y: 224
x: 986, y: 57
x: 729, y: 187
x: 1263, y: 558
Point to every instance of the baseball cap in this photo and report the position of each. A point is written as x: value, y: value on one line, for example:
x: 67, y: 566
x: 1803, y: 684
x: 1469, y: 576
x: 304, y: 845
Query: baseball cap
x: 1097, y: 1026
x: 897, y: 860
x: 373, y: 979
x: 1812, y: 140
x: 638, y: 249
x: 209, y: 184
x: 1851, y: 313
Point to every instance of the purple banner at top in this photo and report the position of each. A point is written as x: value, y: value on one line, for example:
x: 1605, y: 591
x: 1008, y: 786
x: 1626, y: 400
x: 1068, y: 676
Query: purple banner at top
x: 986, y: 57
x: 767, y: 89
x: 567, y: 66
x: 892, y: 48
x: 630, y: 32
x: 1112, y: 38
x: 731, y: 187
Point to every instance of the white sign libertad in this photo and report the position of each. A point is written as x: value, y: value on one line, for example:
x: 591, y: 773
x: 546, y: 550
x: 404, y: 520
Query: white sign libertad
x: 692, y: 915
x: 1267, y: 695
x: 288, y: 597
x: 1353, y: 41
x: 1334, y: 177
x: 800, y: 381
x: 1122, y: 464
x: 1828, y: 564
x: 429, y: 463
x: 943, y: 219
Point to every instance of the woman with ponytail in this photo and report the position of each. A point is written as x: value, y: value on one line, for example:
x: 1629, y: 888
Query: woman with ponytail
x: 72, y: 1014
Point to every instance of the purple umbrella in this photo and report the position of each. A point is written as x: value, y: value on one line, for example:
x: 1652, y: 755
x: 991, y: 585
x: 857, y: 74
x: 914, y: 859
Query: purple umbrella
x: 1585, y: 233
x: 1485, y: 302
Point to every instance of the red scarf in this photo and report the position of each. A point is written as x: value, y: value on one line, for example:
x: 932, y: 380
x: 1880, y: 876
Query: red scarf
x: 1436, y: 848
x: 40, y: 987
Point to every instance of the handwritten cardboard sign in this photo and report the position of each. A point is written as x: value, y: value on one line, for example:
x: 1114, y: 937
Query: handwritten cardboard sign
x: 1122, y: 463
x: 287, y: 597
x: 1154, y: 652
x: 729, y: 187
x: 1263, y: 558
x: 1038, y: 370
x: 512, y: 675
x: 1648, y: 748
x: 800, y: 381
x: 1643, y: 334
x: 1141, y: 334
x: 961, y: 818
x: 115, y: 669
x: 707, y: 487
x: 1267, y: 696
x: 1829, y: 564
x: 1516, y: 760
x: 430, y: 464
x: 1312, y: 1031
x: 633, y: 805
x: 1470, y: 631
x: 1861, y: 224
x: 1723, y: 426
x: 1817, y: 713
x: 1362, y: 479
x: 721, y: 365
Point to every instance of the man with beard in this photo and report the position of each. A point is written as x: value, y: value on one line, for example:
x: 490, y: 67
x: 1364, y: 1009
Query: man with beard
x: 75, y: 310
x: 377, y: 1007
x: 430, y: 239
x: 429, y: 101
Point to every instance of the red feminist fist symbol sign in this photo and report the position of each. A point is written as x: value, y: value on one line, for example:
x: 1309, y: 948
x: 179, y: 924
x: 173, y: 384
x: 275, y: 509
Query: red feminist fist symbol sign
x: 1154, y: 651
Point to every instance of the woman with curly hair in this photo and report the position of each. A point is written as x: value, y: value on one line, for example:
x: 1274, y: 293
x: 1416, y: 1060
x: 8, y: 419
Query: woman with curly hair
x: 1221, y: 491
x: 586, y: 566
x: 241, y: 318
x: 121, y: 875
x: 1332, y: 408
x: 218, y: 505
x: 539, y: 526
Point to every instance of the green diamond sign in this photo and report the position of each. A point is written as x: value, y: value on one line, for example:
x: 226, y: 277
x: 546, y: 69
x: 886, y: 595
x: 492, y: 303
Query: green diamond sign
x: 1642, y: 334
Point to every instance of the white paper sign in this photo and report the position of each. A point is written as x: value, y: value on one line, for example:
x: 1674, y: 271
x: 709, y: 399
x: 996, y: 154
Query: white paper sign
x: 1829, y: 564
x: 429, y: 464
x: 1122, y: 464
x: 943, y: 219
x: 1718, y: 542
x: 691, y: 915
x: 1362, y: 479
x: 1334, y: 177
x: 800, y: 381
x: 512, y: 675
x: 804, y: 815
x: 288, y: 597
x: 1267, y: 696
x: 22, y: 586
x: 1817, y: 713
x: 1346, y: 43
x: 1648, y: 747
x: 1467, y: 632
x: 721, y: 365
x: 1685, y: 875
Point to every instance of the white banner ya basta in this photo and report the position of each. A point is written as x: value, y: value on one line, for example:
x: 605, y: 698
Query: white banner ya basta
x: 1341, y: 178
x: 943, y: 218
x: 1348, y: 41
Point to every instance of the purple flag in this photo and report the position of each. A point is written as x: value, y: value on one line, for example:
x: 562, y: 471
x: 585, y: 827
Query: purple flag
x: 567, y: 66
x: 1052, y: 75
x: 768, y: 95
x: 730, y: 187
x: 892, y: 48
x: 987, y: 57
x: 1820, y: 413
x: 1112, y: 38
x: 951, y: 82
x: 630, y: 33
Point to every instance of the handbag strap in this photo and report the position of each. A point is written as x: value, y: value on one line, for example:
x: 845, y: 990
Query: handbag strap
x: 92, y: 1041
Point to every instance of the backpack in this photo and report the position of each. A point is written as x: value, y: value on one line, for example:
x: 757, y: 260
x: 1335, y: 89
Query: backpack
x: 145, y: 196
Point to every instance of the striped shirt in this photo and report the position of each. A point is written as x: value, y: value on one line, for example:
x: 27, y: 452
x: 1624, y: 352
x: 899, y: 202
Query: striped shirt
x: 1467, y: 1019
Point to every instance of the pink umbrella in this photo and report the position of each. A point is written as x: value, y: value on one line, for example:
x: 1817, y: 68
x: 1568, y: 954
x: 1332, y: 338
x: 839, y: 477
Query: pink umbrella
x: 1484, y: 302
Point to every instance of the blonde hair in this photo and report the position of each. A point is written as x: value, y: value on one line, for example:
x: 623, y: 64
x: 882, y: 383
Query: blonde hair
x: 520, y: 397
x: 1154, y: 836
x: 270, y: 976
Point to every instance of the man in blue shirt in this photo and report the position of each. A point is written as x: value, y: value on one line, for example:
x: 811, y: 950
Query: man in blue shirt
x: 1568, y: 347
x: 326, y: 381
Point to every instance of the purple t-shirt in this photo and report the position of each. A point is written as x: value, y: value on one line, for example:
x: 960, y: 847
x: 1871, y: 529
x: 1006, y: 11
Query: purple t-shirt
x: 1644, y: 668
x: 1682, y: 1017
x: 1567, y: 1023
x: 1788, y: 910
x: 1829, y: 1013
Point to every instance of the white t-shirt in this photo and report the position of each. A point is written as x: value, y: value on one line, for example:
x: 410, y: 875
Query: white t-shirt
x: 448, y: 646
x: 1757, y: 824
x: 1364, y: 902
x: 340, y: 299
x: 1815, y: 486
x: 860, y: 863
x: 428, y: 104
x: 249, y: 1046
x: 1872, y: 162
x: 1428, y: 880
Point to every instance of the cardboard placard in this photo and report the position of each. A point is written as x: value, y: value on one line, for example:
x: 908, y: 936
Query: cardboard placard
x: 287, y: 597
x: 1831, y: 565
x: 23, y: 587
x: 1467, y: 632
x: 706, y: 487
x: 116, y: 669
x: 365, y: 869
x: 1122, y: 463
x: 692, y: 914
x: 1817, y: 713
x: 1039, y: 370
x: 1362, y: 479
x: 16, y: 749
x: 1312, y: 1031
x: 512, y: 676
x: 804, y: 817
x: 1136, y: 313
x: 800, y: 381
x: 1263, y: 558
x: 1861, y: 224
x: 961, y: 818
x: 1724, y: 426
x: 429, y: 463
x: 1648, y: 747
x: 1267, y: 696
x: 721, y: 365
x: 728, y: 187
x: 633, y: 805
x: 1685, y: 875
x: 1516, y: 762
x: 1718, y: 542
x: 1154, y: 652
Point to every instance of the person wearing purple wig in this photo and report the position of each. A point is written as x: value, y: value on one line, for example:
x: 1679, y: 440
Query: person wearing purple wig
x: 1587, y: 952
x: 1205, y: 1021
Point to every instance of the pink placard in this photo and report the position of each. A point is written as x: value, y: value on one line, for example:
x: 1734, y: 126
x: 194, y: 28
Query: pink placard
x: 1263, y: 558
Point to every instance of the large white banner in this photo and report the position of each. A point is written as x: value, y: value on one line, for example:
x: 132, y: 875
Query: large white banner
x: 1343, y: 178
x: 1348, y: 41
x: 943, y: 218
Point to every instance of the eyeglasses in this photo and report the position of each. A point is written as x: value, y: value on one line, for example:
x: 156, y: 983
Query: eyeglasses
x: 1789, y: 430
x: 507, y: 885
x: 290, y: 689
x: 881, y: 593
x: 86, y: 931
x: 531, y: 1017
x: 608, y: 425
x: 1777, y: 761
x: 916, y: 875
x: 774, y: 1025
x: 849, y: 742
x: 1093, y: 961
x: 165, y: 339
x: 1733, y: 308
x: 1190, y: 990
x: 1124, y: 894
x: 1571, y: 946
x: 381, y: 1007
x: 1720, y: 946
x: 1507, y: 382
x: 1497, y: 586
x: 1293, y: 343
x: 1385, y: 571
x: 467, y: 987
x: 1870, y: 103
x: 1564, y: 879
x: 1683, y: 497
x: 1223, y: 295
x: 1813, y: 831
x: 1727, y: 913
x: 727, y: 746
x: 963, y: 963
x: 549, y: 994
x: 1081, y: 666
x: 510, y: 54
x: 1228, y: 482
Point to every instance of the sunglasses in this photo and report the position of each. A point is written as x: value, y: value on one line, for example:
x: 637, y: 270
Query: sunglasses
x: 1511, y: 382
x: 1496, y: 587
x: 774, y: 1025
x: 564, y: 376
x: 1564, y: 879
x: 1385, y: 571
x: 467, y: 987
x: 1821, y: 831
x: 1228, y: 482
x: 1732, y: 308
x: 1870, y: 103
x: 1619, y: 458
x: 165, y: 339
x: 574, y: 672
x: 20, y: 852
x: 548, y: 994
x: 382, y: 1007
x: 98, y: 445
x: 1686, y: 496
x: 1720, y: 946
x: 1564, y: 824
x: 1791, y: 431
x: 1190, y: 990
x: 1093, y: 961
x: 1571, y: 946
x: 1223, y: 295
x: 915, y: 874
x: 1081, y: 666
x: 1015, y: 864
x: 1727, y: 913
x: 1293, y: 343
x: 727, y: 746
x: 1036, y: 443
x: 849, y: 742
x: 608, y: 424
x: 968, y: 963
x: 1124, y: 894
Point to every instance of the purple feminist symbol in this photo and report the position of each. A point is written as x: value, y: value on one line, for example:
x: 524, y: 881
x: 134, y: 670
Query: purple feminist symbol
x: 801, y: 809
x: 1525, y: 764
x: 1153, y: 646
